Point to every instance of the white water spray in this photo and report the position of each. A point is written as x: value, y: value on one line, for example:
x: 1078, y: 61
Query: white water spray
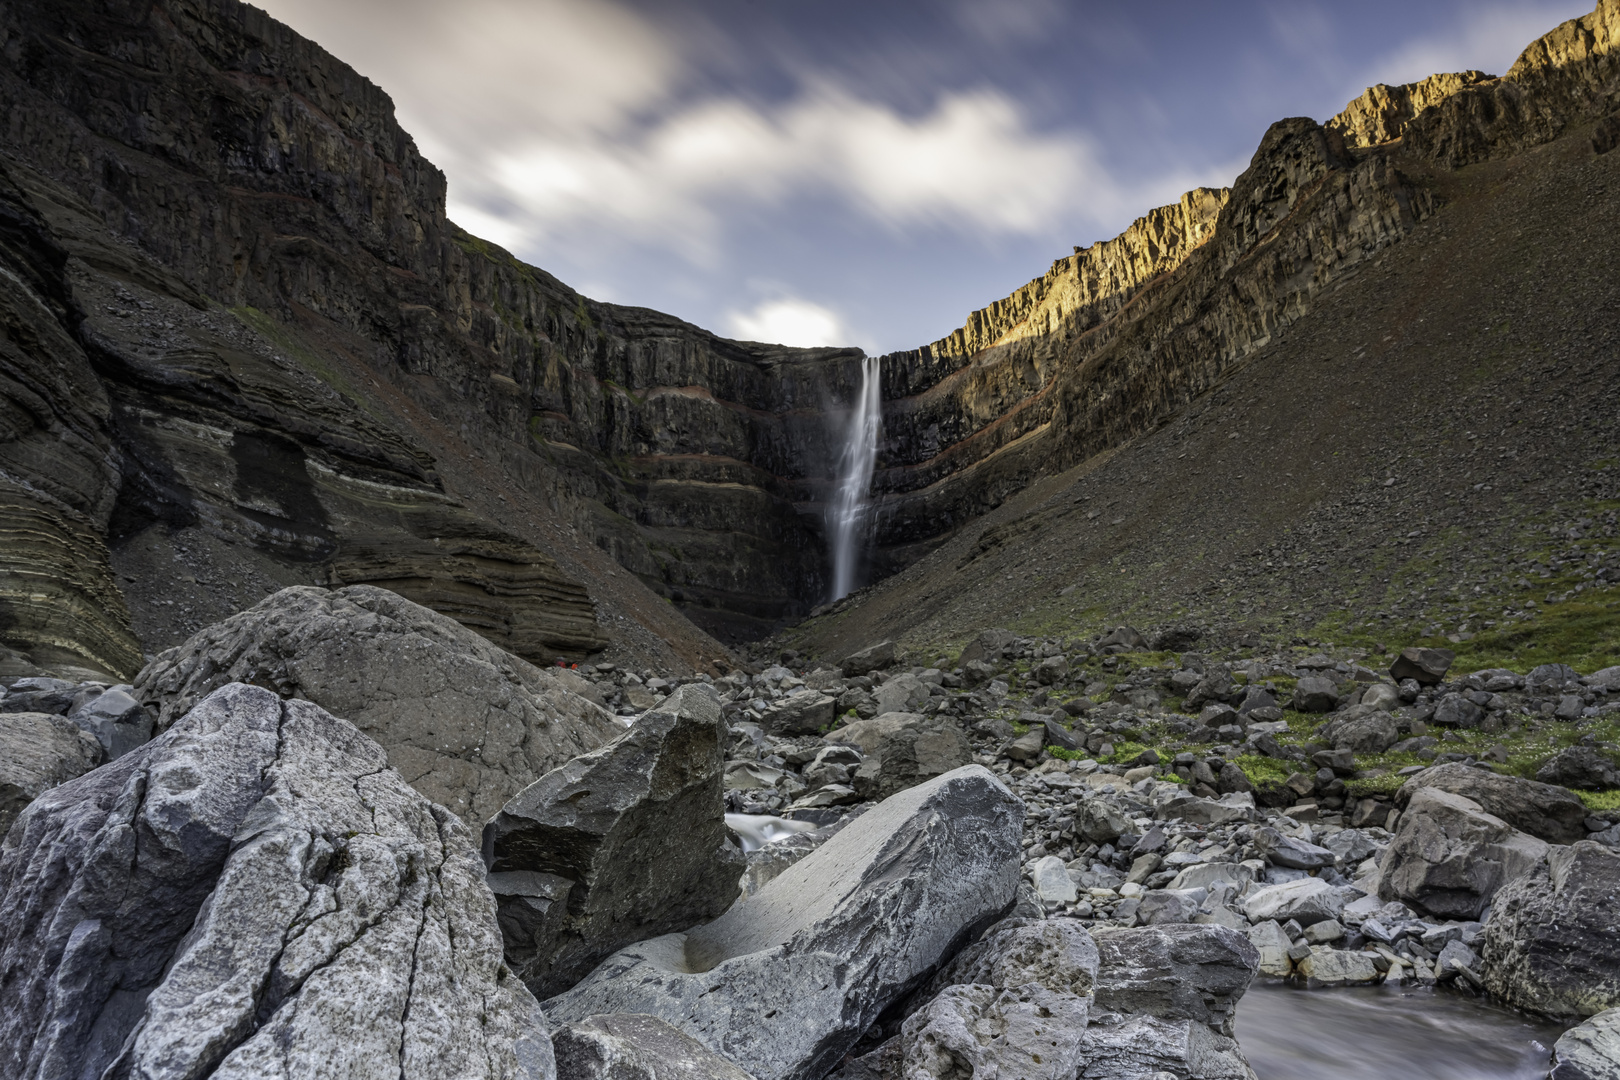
x: 846, y: 514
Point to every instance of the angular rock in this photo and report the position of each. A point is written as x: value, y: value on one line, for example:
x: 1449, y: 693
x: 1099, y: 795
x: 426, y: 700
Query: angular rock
x: 1053, y: 669
x: 1580, y: 767
x: 1551, y: 678
x: 1191, y: 972
x: 1306, y: 901
x: 909, y: 756
x: 903, y: 693
x: 805, y: 713
x: 1589, y: 1051
x: 1101, y: 822
x: 1381, y: 695
x: 1542, y: 810
x: 1457, y: 711
x: 38, y: 751
x: 1055, y: 953
x: 1550, y: 945
x: 1449, y: 857
x: 1282, y: 850
x: 1362, y: 729
x: 1121, y: 639
x: 1058, y: 735
x: 1147, y: 1048
x: 868, y: 735
x: 631, y: 838
x: 1313, y: 693
x: 1427, y: 666
x: 627, y: 1046
x: 870, y: 659
x: 1028, y: 746
x: 1052, y: 882
x: 1169, y: 906
x: 1273, y: 945
x: 1203, y: 875
x: 1338, y: 967
x: 1198, y: 811
x: 254, y: 893
x: 832, y: 941
x: 116, y: 719
x: 467, y: 724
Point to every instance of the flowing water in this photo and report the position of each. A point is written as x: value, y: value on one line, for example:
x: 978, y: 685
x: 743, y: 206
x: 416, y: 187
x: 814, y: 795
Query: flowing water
x: 757, y: 830
x: 846, y: 514
x: 1388, y: 1033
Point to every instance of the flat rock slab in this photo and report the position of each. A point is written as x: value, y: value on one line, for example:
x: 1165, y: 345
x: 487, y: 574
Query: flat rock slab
x: 1544, y: 811
x: 825, y: 947
x: 466, y: 723
x: 253, y: 894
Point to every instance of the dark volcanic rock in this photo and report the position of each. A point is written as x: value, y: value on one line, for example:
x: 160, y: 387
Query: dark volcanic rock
x: 253, y: 894
x: 1449, y: 857
x: 1550, y: 945
x: 870, y: 659
x: 38, y: 751
x: 1580, y: 767
x: 1542, y: 810
x: 1427, y: 666
x: 619, y: 845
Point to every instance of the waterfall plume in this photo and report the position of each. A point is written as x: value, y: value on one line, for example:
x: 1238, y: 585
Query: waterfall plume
x: 846, y: 513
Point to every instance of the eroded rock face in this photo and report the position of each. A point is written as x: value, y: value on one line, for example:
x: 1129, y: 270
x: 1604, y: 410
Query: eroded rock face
x: 619, y: 845
x: 1542, y: 810
x: 467, y: 724
x: 38, y: 751
x: 1449, y: 857
x: 1550, y: 944
x: 253, y: 894
x: 1589, y: 1051
x: 622, y: 1046
x: 1182, y: 972
x: 827, y: 945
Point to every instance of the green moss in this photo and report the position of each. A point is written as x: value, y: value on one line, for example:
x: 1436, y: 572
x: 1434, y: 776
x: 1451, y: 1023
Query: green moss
x: 1126, y: 751
x: 1387, y: 785
x: 1260, y: 769
x: 1066, y: 755
x: 1600, y: 800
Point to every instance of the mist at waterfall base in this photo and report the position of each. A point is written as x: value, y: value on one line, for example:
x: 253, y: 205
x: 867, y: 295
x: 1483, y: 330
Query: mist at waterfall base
x: 1388, y: 1033
x: 857, y: 458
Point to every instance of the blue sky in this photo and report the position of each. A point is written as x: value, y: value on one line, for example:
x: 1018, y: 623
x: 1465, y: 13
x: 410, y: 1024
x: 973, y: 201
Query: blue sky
x: 861, y: 173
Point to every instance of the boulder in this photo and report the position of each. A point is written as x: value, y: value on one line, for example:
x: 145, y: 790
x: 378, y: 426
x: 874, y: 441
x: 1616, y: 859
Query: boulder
x: 1237, y: 806
x: 1314, y: 693
x: 1101, y: 822
x: 1280, y: 850
x: 626, y: 1046
x: 1589, y: 1051
x: 1120, y: 639
x: 1542, y: 810
x: 1550, y: 945
x: 1273, y: 945
x: 1449, y: 857
x: 1362, y: 729
x: 117, y: 720
x: 1338, y: 967
x: 1056, y: 734
x: 1053, y: 669
x: 1203, y: 875
x: 868, y: 735
x: 1168, y: 906
x: 1147, y: 1048
x: 1306, y: 901
x: 805, y: 713
x: 1381, y: 695
x: 253, y: 893
x: 1551, y: 679
x: 1188, y: 972
x: 989, y: 645
x: 1027, y: 747
x: 619, y: 845
x: 1052, y: 881
x: 870, y: 659
x: 903, y: 693
x: 38, y: 751
x: 1457, y: 711
x: 834, y: 940
x: 467, y: 724
x: 909, y: 756
x: 1580, y: 767
x: 1427, y: 666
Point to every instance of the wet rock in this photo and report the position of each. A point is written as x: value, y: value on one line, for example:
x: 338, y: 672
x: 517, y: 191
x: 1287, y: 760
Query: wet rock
x: 38, y: 751
x: 253, y: 893
x: 870, y: 659
x: 1282, y: 850
x: 804, y: 713
x: 1426, y: 666
x: 1550, y: 944
x: 1192, y: 972
x: 468, y: 724
x: 1449, y: 857
x: 834, y: 940
x: 1542, y: 810
x: 1589, y: 1051
x: 1580, y: 767
x: 626, y: 1046
x: 634, y: 835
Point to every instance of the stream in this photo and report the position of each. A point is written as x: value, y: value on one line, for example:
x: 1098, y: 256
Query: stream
x: 1388, y: 1033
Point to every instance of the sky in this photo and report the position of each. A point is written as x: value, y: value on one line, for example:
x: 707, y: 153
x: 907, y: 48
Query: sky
x: 862, y: 173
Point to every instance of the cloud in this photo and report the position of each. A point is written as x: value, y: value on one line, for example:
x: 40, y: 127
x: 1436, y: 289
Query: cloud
x: 788, y: 321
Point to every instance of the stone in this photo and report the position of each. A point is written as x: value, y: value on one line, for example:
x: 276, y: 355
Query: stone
x: 1101, y: 822
x: 1455, y: 957
x: 1282, y: 850
x: 1314, y: 693
x: 631, y: 838
x: 1147, y: 1048
x: 870, y: 659
x: 1053, y: 669
x: 1381, y: 695
x: 254, y: 893
x: 1121, y: 639
x: 1550, y: 944
x: 1580, y: 767
x: 868, y: 735
x: 1203, y: 875
x: 1197, y: 811
x: 467, y: 724
x: 903, y: 693
x: 1052, y: 882
x: 1325, y: 932
x: 1449, y: 857
x: 1427, y: 666
x: 1218, y: 715
x: 626, y: 1046
x: 805, y: 713
x: 909, y: 756
x: 989, y: 645
x: 1058, y: 735
x: 1362, y: 729
x: 1183, y: 972
x: 834, y: 940
x: 1551, y: 678
x: 1027, y: 747
x: 116, y: 719
x: 1542, y: 810
x: 1273, y: 945
x: 1160, y: 906
x: 1338, y: 967
x: 38, y: 751
x: 1307, y: 900
x: 1233, y: 780
x: 1457, y: 711
x: 1590, y: 1050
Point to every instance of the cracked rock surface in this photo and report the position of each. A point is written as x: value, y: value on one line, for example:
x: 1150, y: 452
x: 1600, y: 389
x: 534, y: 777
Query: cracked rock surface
x: 255, y: 893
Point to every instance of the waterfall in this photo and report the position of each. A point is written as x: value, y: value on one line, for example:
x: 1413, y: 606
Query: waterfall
x: 846, y: 514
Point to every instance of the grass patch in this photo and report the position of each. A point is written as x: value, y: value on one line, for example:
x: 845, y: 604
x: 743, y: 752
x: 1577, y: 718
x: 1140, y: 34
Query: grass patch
x: 1600, y: 800
x: 1260, y: 769
x: 1387, y: 785
x: 1066, y: 755
x: 1127, y: 751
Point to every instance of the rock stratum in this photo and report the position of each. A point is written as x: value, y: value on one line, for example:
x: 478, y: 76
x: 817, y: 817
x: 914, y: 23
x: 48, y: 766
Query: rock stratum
x: 242, y: 334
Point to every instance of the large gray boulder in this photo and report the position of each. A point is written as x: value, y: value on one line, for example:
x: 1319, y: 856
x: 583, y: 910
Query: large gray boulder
x: 1589, y: 1051
x: 1280, y: 850
x: 1363, y: 729
x: 805, y: 713
x: 1550, y: 944
x: 253, y: 894
x: 626, y: 1046
x: 465, y: 723
x: 619, y: 845
x: 1175, y: 972
x: 1449, y: 857
x: 903, y: 693
x: 870, y: 659
x: 825, y: 947
x: 868, y: 735
x: 115, y: 718
x: 1580, y: 767
x: 910, y: 755
x: 1306, y: 901
x: 1542, y: 810
x: 37, y: 752
x: 1427, y: 666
